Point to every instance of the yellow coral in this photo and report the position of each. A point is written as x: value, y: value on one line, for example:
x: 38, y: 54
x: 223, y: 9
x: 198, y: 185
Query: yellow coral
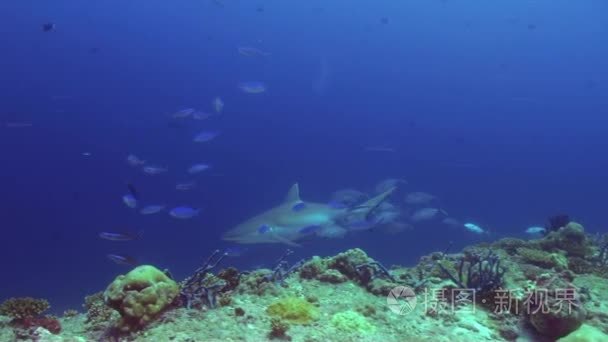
x: 293, y: 310
x: 140, y: 295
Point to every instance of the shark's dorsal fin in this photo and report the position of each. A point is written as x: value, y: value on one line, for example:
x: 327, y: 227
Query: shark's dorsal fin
x: 294, y: 194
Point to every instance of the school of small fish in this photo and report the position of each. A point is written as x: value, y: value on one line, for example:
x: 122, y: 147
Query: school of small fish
x: 133, y: 201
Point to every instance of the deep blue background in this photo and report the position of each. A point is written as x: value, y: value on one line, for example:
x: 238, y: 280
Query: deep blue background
x: 499, y: 108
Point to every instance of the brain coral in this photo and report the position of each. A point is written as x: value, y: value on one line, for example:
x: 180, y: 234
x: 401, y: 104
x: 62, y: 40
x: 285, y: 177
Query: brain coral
x: 140, y: 295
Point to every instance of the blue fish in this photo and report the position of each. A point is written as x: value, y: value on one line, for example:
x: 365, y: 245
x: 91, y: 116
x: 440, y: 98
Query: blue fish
x: 309, y: 229
x: 264, y: 229
x: 252, y: 87
x: 184, y: 212
x: 205, y: 136
x: 298, y: 206
x: 111, y: 236
x: 121, y: 259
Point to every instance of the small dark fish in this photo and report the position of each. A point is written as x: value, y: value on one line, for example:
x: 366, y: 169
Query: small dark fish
x: 264, y: 229
x: 384, y: 20
x: 48, y: 27
x: 531, y: 27
x: 94, y: 50
x: 260, y: 9
x: 235, y: 251
x: 298, y: 206
x: 121, y: 259
x: 133, y: 191
x: 309, y: 229
x: 113, y: 236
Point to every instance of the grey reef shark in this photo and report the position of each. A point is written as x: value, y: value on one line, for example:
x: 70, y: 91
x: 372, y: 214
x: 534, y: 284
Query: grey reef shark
x: 294, y: 219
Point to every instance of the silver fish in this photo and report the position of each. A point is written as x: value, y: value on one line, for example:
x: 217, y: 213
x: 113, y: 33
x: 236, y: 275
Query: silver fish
x: 154, y: 170
x: 218, y: 105
x: 185, y: 186
x: 536, y: 230
x: 473, y: 228
x: 206, y: 136
x: 425, y: 214
x: 252, y: 87
x: 130, y: 201
x: 249, y: 51
x: 152, y: 209
x: 133, y: 160
x: 183, y: 113
x: 197, y: 168
x: 122, y: 259
x: 112, y: 236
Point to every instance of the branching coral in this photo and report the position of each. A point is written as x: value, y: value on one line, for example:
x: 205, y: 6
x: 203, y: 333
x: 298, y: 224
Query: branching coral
x: 478, y: 272
x: 99, y: 315
x: 282, y: 270
x: 26, y: 313
x: 202, y: 288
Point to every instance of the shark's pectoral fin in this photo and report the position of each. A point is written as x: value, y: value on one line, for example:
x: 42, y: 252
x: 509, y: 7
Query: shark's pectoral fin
x: 294, y: 194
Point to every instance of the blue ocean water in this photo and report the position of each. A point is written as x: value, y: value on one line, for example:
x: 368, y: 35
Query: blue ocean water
x: 497, y: 108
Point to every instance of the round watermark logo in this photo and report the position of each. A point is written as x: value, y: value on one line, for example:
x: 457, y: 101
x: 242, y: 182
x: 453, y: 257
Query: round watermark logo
x: 401, y: 300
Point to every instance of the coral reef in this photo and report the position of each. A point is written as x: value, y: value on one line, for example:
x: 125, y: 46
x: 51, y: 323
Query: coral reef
x: 203, y: 288
x: 140, y: 296
x: 24, y: 307
x: 70, y: 313
x: 554, y: 288
x: 27, y: 319
x: 542, y: 259
x: 99, y: 315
